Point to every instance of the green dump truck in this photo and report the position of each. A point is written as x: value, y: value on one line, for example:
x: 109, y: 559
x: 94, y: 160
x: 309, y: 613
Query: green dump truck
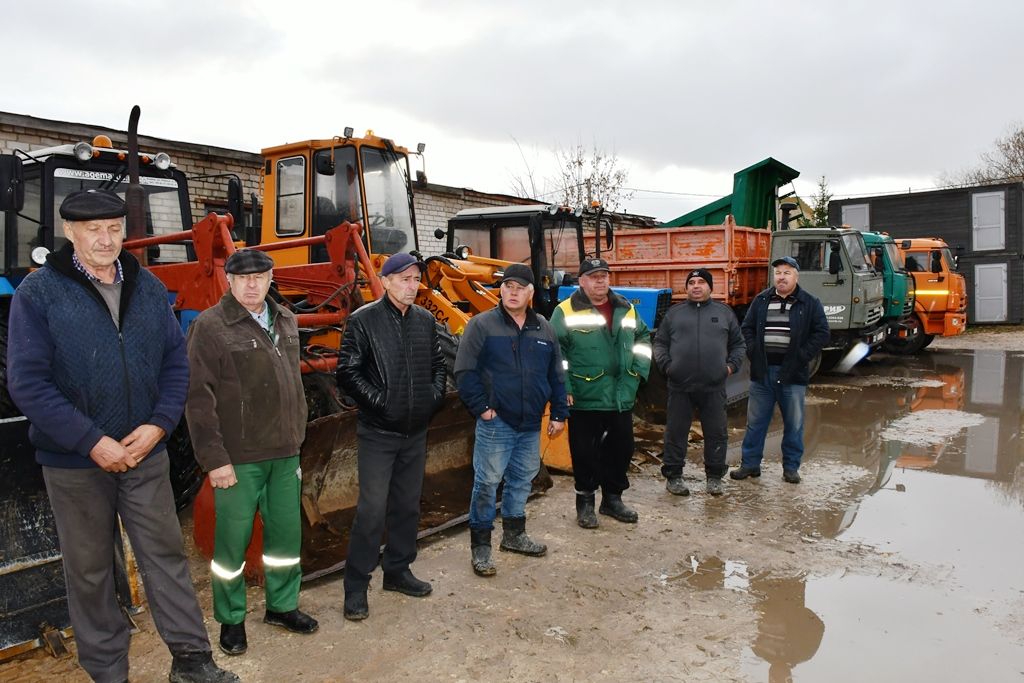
x: 903, y: 327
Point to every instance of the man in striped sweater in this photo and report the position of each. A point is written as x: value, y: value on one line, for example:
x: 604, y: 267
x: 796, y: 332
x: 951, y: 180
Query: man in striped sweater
x: 785, y: 328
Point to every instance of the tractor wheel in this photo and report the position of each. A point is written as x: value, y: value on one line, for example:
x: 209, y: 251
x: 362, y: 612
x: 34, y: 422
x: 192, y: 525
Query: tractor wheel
x: 449, y: 348
x: 185, y: 473
x: 7, y: 407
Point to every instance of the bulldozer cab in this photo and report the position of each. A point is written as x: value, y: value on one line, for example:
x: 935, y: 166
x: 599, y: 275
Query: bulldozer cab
x: 313, y: 186
x: 549, y: 239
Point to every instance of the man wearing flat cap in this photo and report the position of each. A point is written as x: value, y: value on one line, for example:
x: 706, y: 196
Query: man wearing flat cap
x: 508, y: 370
x: 392, y: 366
x: 96, y: 361
x: 247, y: 416
x: 697, y: 347
x: 606, y: 349
x: 784, y: 328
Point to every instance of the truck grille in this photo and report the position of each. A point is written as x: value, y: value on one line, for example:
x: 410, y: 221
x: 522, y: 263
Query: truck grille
x: 908, y: 306
x: 873, y: 316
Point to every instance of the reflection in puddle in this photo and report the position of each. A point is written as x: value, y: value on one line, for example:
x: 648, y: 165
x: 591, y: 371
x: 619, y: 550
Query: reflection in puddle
x: 713, y: 573
x: 788, y: 633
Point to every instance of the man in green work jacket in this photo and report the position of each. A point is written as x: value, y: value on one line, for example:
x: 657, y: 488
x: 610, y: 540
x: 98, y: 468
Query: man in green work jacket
x: 606, y: 350
x: 246, y: 413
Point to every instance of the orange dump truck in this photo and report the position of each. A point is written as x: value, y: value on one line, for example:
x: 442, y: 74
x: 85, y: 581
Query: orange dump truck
x: 736, y: 256
x: 941, y: 303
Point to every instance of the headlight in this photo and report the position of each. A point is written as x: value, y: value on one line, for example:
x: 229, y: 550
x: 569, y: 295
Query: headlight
x: 83, y: 151
x: 162, y: 161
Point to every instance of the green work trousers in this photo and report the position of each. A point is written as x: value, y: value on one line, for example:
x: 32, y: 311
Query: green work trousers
x: 273, y: 486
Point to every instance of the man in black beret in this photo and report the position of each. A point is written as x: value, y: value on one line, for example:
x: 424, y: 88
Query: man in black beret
x: 391, y: 365
x: 96, y: 362
x: 698, y: 345
x: 247, y: 416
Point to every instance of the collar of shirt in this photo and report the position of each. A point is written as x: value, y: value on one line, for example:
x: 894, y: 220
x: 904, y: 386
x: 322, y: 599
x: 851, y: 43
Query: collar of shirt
x: 263, y: 317
x: 118, y: 277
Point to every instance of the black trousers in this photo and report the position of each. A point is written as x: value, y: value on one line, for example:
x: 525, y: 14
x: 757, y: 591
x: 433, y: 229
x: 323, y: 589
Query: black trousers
x: 86, y: 505
x: 710, y: 406
x: 601, y: 446
x: 390, y: 483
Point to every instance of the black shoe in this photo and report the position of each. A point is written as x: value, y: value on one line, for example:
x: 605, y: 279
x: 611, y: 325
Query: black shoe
x: 198, y: 667
x: 714, y: 486
x: 407, y: 584
x: 742, y: 472
x: 295, y: 621
x: 585, y: 516
x: 356, y: 607
x: 791, y: 476
x: 677, y: 487
x: 232, y: 639
x: 612, y: 505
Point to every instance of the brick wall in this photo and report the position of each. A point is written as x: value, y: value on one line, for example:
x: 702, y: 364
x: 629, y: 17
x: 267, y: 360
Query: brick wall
x: 29, y: 133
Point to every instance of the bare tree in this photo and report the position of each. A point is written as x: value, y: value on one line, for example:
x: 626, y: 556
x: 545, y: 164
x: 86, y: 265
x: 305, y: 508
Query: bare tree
x: 819, y: 207
x: 1003, y: 164
x: 583, y: 176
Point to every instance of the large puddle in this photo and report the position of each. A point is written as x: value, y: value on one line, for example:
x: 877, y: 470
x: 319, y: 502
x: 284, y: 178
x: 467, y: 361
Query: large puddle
x: 941, y: 440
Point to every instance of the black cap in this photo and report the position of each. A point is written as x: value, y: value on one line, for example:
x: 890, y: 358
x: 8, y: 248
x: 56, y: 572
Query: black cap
x: 248, y: 261
x: 786, y: 260
x: 91, y: 205
x: 396, y: 263
x: 518, y: 272
x: 703, y: 273
x: 594, y: 265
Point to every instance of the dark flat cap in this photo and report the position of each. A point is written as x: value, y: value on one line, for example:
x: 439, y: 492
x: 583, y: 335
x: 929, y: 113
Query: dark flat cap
x: 518, y: 272
x: 787, y: 261
x: 91, y: 205
x: 396, y: 263
x: 702, y: 273
x: 594, y: 265
x: 247, y: 261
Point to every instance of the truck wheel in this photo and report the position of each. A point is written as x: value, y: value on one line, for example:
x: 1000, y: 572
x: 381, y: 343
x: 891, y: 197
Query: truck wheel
x: 908, y: 348
x: 814, y: 365
x: 7, y: 407
x: 829, y: 360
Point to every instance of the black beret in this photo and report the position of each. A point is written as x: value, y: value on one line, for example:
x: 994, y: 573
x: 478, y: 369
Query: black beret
x: 247, y: 261
x: 91, y: 205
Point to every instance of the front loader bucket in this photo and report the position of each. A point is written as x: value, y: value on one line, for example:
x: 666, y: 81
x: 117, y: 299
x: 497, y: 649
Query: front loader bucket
x: 330, y: 488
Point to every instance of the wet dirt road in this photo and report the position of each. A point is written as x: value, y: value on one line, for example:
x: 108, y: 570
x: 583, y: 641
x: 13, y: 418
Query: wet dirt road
x: 897, y: 559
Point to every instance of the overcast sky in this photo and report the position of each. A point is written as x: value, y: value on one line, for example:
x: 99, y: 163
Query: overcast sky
x: 876, y: 96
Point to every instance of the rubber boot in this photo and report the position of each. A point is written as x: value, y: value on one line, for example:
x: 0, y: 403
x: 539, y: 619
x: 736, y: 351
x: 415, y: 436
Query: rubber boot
x: 585, y: 515
x: 480, y: 546
x: 515, y: 540
x: 612, y: 505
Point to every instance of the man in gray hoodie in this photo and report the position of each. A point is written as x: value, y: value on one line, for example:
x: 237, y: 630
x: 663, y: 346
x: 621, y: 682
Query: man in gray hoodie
x: 698, y: 345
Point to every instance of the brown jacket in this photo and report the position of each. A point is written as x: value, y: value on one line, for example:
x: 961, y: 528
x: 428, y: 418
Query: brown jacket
x: 245, y: 399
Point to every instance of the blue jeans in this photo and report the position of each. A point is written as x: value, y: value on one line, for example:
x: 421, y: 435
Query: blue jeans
x: 764, y: 394
x: 502, y: 453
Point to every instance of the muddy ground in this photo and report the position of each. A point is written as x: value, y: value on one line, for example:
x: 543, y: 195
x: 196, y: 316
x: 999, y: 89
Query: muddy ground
x: 768, y: 579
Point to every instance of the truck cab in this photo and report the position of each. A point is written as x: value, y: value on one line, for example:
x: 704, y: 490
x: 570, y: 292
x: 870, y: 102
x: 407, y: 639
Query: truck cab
x: 834, y: 266
x: 941, y: 292
x: 887, y: 259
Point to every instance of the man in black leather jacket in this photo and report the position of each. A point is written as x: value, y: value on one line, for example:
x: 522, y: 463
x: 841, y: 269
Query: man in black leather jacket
x: 392, y: 366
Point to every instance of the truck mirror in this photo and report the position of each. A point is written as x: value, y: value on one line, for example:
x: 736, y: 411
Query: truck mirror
x: 324, y: 164
x: 439, y: 233
x: 835, y: 263
x: 12, y: 183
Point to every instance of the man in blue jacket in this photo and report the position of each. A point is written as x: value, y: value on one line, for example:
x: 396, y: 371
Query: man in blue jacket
x: 508, y: 369
x: 785, y: 328
x: 96, y: 361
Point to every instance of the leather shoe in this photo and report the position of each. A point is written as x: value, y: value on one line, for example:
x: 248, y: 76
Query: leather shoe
x: 742, y: 472
x: 356, y: 607
x: 407, y: 584
x: 232, y: 639
x: 294, y: 621
x: 791, y: 476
